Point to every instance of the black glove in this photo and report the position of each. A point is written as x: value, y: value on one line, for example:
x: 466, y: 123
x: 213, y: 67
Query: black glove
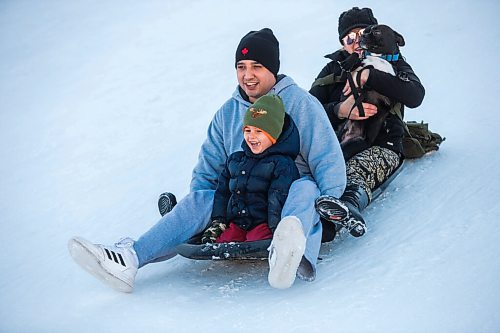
x: 216, y: 228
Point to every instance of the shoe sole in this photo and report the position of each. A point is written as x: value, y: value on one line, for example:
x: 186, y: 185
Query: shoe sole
x: 82, y: 254
x: 166, y: 203
x: 288, y: 245
x: 344, y: 220
x: 341, y: 211
x: 163, y: 206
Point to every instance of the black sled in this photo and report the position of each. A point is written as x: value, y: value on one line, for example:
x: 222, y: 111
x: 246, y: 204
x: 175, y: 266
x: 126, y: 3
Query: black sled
x: 193, y: 249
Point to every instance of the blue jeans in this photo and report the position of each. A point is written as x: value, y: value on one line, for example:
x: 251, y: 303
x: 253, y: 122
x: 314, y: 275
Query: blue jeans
x: 192, y: 214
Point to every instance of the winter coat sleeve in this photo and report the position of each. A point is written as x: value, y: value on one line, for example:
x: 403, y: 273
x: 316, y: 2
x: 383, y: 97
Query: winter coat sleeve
x: 285, y: 173
x: 405, y: 87
x: 222, y: 195
x: 322, y: 92
x: 211, y: 158
x: 330, y: 95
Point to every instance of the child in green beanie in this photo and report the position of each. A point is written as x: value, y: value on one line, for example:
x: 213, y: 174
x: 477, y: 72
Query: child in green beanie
x: 253, y: 186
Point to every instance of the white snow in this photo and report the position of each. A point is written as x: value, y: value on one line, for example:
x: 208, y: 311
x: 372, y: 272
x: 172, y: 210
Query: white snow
x: 104, y: 105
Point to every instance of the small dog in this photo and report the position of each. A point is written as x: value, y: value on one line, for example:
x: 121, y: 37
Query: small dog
x: 380, y: 42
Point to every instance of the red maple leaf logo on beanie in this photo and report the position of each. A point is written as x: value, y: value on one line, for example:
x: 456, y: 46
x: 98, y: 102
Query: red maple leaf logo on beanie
x: 244, y: 51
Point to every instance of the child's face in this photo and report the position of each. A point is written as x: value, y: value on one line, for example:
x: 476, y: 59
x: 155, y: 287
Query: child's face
x: 256, y: 139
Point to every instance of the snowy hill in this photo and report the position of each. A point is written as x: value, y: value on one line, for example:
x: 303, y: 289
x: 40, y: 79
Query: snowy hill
x: 104, y: 105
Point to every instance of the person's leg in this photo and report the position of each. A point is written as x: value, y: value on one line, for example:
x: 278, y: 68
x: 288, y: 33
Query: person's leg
x: 260, y: 232
x: 370, y: 168
x: 189, y: 217
x: 232, y: 234
x: 300, y: 205
x: 365, y: 171
x: 117, y: 265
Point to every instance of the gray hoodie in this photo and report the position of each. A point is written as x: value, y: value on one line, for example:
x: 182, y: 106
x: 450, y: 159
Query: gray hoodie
x: 320, y: 155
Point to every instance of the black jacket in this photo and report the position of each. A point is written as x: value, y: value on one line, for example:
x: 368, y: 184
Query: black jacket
x: 405, y: 88
x: 252, y: 189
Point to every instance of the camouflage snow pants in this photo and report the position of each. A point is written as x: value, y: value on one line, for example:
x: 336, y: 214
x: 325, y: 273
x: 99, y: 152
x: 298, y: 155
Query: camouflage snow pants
x: 371, y: 167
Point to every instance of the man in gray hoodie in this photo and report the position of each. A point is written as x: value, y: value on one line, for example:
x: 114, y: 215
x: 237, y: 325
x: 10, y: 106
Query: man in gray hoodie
x: 297, y: 239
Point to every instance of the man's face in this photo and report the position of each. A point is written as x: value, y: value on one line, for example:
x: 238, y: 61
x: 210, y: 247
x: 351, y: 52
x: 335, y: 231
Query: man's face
x: 255, y: 79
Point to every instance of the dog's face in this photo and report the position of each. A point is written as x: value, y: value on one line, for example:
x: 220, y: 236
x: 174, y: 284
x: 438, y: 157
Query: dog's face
x: 381, y: 39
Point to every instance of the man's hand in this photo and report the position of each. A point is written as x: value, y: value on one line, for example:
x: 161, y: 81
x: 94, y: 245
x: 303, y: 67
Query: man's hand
x: 345, y: 110
x: 215, y: 230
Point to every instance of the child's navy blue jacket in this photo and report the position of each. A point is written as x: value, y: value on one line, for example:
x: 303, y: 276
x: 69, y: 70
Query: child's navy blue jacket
x: 252, y: 189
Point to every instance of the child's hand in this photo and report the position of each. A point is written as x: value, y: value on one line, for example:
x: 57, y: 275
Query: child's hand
x: 215, y: 230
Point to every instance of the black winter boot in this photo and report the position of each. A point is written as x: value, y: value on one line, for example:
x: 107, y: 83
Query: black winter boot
x: 166, y: 202
x: 345, y: 211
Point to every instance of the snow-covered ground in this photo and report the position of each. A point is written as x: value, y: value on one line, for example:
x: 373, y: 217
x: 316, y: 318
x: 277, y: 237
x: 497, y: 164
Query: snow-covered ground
x: 104, y: 104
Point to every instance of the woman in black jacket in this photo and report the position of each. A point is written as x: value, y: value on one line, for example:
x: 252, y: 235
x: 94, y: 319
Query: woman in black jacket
x: 371, y: 167
x: 253, y: 186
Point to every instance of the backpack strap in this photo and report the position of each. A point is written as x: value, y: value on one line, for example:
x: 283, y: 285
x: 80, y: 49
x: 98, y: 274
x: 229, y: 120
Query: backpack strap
x: 327, y: 80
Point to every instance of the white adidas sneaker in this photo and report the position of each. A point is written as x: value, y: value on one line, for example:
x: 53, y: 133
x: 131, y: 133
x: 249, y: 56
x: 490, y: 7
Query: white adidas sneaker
x: 115, y: 265
x: 285, y: 252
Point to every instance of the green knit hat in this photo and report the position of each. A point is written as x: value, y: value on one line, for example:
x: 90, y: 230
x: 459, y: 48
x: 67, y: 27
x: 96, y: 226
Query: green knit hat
x: 268, y: 114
